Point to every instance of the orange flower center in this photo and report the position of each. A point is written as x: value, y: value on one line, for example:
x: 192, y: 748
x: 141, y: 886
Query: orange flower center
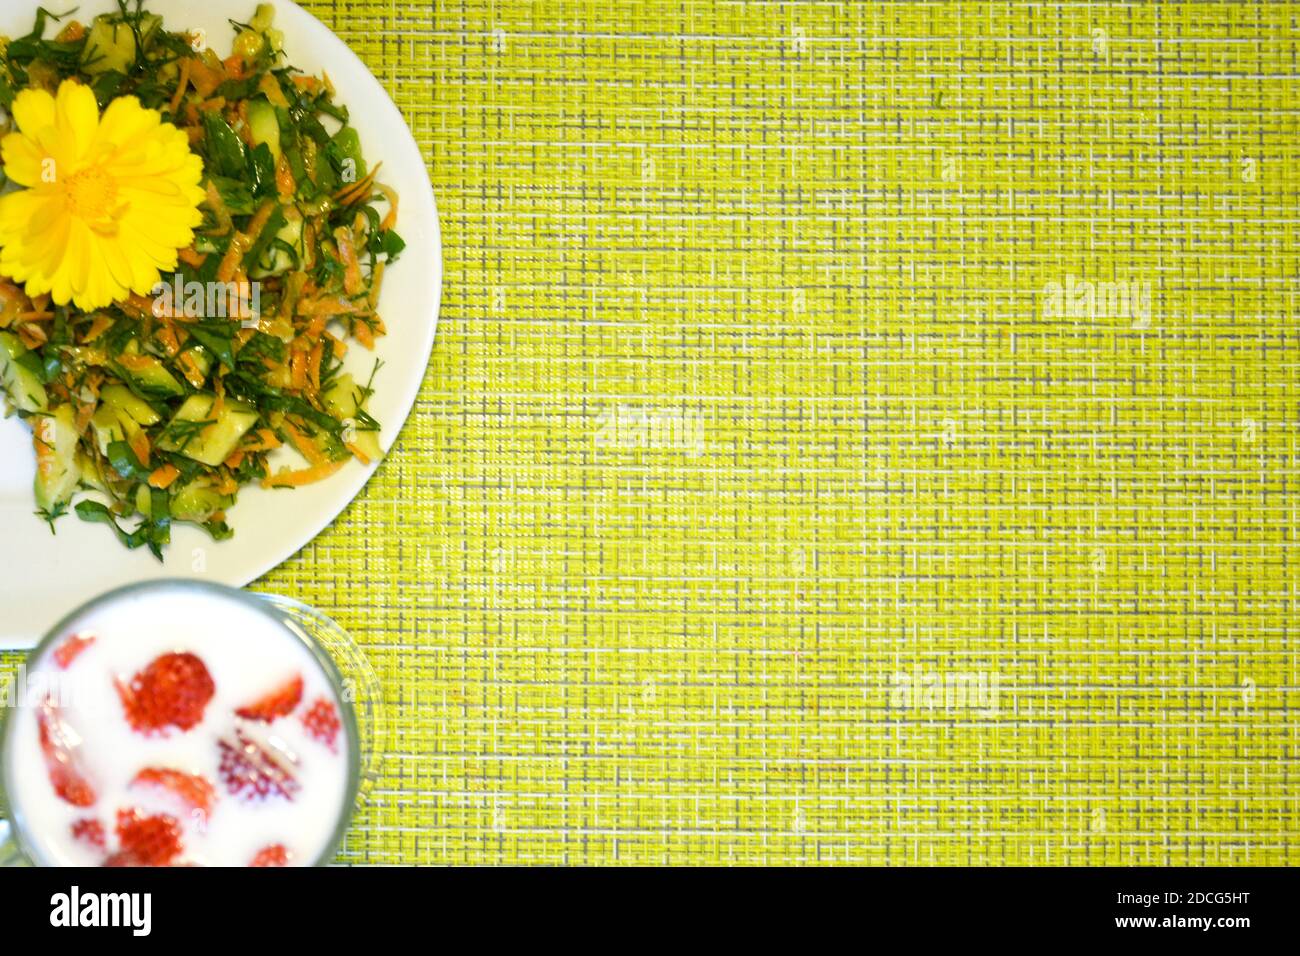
x: 90, y: 194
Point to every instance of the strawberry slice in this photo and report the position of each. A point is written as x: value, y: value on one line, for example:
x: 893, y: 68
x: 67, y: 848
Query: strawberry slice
x: 274, y: 855
x: 279, y: 703
x: 254, y: 770
x: 59, y: 744
x: 71, y: 648
x: 90, y: 832
x: 322, y: 722
x: 193, y: 790
x: 146, y: 840
x: 171, y: 691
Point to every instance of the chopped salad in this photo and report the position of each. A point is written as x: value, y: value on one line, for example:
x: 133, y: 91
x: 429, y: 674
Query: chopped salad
x: 161, y: 408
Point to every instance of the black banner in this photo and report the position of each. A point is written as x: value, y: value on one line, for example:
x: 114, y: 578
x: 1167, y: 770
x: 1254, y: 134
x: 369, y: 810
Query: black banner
x: 381, y: 906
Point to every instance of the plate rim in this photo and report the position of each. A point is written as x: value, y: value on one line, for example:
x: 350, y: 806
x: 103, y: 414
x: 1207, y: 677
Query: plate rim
x: 407, y: 402
x: 325, y: 45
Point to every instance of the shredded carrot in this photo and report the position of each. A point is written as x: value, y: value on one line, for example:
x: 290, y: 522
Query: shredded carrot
x: 33, y: 336
x: 376, y: 283
x: 353, y: 192
x: 284, y: 182
x: 313, y: 365
x: 298, y: 368
x: 193, y: 257
x: 309, y: 240
x: 234, y: 459
x: 164, y: 475
x: 363, y: 335
x: 167, y: 338
x: 239, y: 244
x: 306, y: 447
x: 205, y: 78
x: 98, y: 326
x: 360, y: 455
x: 190, y: 369
x: 260, y: 219
x: 348, y: 256
x: 240, y: 123
x: 265, y: 441
x: 135, y: 363
x: 270, y: 88
x: 73, y: 32
x: 180, y: 86
x: 85, y: 411
x: 340, y: 347
x: 328, y: 306
x: 13, y: 301
x: 218, y: 207
x: 296, y: 479
x: 139, y: 443
x: 141, y: 306
x: 315, y: 327
x: 390, y: 194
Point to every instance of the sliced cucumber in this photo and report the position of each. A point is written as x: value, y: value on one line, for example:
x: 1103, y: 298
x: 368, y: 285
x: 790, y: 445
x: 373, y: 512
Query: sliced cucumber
x: 276, y: 260
x: 200, y: 364
x: 87, y: 355
x: 20, y: 384
x: 213, y: 443
x: 196, y: 502
x: 125, y: 402
x: 110, y: 44
x: 108, y: 428
x: 120, y: 415
x: 148, y: 374
x: 263, y: 17
x: 254, y: 41
x: 57, y: 470
x: 264, y: 126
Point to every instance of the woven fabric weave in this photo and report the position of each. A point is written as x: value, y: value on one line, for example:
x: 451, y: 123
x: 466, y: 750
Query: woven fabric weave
x: 857, y: 433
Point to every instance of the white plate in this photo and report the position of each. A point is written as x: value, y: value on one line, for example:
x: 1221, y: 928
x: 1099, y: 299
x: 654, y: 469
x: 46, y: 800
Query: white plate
x: 43, y: 576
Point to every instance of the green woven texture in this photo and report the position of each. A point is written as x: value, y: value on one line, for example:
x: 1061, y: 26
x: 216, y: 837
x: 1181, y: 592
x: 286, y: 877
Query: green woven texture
x: 778, y: 492
x: 856, y: 433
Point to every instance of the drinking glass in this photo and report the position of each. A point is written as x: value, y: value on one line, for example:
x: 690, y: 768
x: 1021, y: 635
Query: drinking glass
x: 344, y: 664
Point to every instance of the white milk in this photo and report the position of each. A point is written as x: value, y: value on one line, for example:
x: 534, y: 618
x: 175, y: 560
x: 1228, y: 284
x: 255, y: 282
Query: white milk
x: 248, y: 654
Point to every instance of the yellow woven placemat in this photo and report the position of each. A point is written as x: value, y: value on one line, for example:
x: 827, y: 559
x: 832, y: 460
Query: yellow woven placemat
x: 856, y: 433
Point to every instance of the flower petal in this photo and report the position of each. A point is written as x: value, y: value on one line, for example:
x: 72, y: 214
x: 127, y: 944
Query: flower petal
x: 77, y: 117
x: 33, y: 110
x: 23, y: 159
x: 125, y: 124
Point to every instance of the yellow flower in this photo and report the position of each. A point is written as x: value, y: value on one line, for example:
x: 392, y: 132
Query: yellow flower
x: 109, y: 200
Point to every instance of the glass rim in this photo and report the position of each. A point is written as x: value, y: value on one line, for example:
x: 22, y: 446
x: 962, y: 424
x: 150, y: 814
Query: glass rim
x: 269, y: 605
